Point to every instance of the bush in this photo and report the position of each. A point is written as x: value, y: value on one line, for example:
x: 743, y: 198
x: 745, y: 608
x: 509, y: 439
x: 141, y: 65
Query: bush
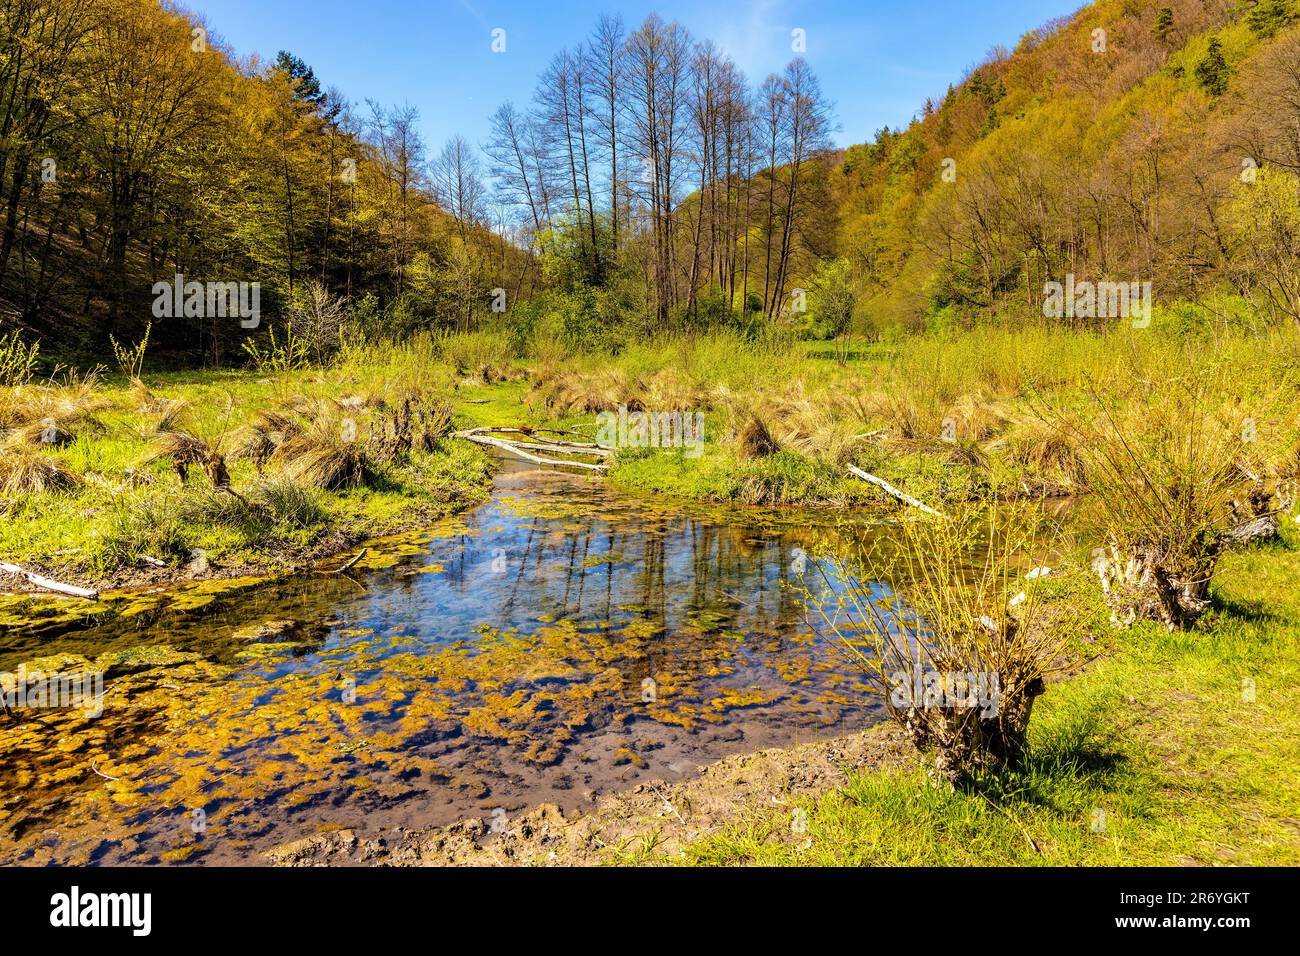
x: 962, y: 648
x: 1182, y: 464
x: 288, y: 503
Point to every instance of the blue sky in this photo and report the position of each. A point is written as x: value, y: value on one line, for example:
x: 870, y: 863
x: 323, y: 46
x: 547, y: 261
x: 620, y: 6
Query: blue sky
x: 877, y: 59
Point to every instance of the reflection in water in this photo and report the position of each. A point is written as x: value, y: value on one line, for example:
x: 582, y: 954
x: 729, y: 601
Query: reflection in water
x: 556, y: 643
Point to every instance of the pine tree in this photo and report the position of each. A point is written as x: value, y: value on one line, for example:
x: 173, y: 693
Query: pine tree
x: 1270, y: 16
x: 1164, y: 24
x: 306, y: 85
x: 1212, y: 71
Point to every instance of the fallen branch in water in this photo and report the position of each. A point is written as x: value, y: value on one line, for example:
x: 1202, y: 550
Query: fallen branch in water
x: 889, y: 489
x: 520, y: 449
x: 49, y: 585
x: 351, y: 564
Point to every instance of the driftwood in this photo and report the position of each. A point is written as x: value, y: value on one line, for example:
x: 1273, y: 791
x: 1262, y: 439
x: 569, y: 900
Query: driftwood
x: 530, y: 433
x: 351, y: 564
x: 1262, y: 528
x: 49, y: 585
x: 889, y: 489
x: 487, y: 436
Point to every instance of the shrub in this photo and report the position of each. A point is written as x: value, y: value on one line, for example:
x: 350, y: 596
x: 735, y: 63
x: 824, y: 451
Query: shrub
x: 1181, y: 466
x: 130, y: 360
x: 961, y: 648
x: 17, y: 360
x: 284, y: 354
x: 483, y: 355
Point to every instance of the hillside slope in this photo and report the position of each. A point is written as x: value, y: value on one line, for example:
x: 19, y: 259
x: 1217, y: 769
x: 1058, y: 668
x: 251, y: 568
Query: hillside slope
x: 1138, y: 140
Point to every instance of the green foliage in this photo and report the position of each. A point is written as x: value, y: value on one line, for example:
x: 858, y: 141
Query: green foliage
x: 286, y: 354
x: 306, y: 85
x: 17, y: 359
x: 1164, y: 25
x: 1270, y: 16
x: 153, y: 526
x: 131, y: 360
x: 1212, y: 70
x: 832, y: 298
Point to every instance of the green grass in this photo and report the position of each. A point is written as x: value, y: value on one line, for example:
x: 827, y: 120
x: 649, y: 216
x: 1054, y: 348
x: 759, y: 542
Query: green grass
x: 720, y: 475
x: 943, y: 417
x: 1153, y: 756
x: 126, y: 506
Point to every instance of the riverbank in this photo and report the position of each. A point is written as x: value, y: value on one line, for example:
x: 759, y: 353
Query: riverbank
x: 1152, y: 754
x: 1164, y: 749
x: 187, y: 477
x: 111, y: 483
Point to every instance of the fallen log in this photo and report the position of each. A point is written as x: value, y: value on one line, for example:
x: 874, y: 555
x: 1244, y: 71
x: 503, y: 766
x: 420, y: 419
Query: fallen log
x: 517, y: 449
x: 889, y: 489
x: 50, y: 585
x: 579, y: 447
x: 351, y: 564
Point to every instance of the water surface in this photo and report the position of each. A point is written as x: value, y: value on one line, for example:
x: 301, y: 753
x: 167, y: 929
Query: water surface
x: 559, y: 642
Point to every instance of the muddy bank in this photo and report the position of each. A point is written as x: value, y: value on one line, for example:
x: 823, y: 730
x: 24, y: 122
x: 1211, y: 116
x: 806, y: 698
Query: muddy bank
x: 673, y: 814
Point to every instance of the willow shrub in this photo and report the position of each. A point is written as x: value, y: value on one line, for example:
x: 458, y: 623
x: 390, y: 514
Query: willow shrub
x: 959, y: 643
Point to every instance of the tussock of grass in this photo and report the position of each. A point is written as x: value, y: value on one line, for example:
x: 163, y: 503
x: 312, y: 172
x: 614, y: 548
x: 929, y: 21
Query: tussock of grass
x: 755, y: 441
x: 94, y: 505
x: 28, y: 473
x: 327, y: 455
x: 289, y: 503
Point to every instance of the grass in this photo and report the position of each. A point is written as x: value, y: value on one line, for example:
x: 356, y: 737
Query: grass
x: 1155, y: 755
x: 1155, y: 737
x: 109, y: 491
x: 944, y: 418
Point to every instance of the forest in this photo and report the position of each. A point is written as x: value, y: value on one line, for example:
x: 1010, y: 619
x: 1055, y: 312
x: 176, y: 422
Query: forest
x: 646, y: 185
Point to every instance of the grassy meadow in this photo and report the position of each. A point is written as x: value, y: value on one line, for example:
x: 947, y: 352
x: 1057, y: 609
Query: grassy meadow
x: 1161, y: 745
x: 105, y: 477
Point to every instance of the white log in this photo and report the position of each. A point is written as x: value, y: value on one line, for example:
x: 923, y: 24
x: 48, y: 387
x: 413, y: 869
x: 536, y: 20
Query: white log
x: 577, y: 447
x: 889, y: 489
x: 50, y: 585
x: 514, y: 449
